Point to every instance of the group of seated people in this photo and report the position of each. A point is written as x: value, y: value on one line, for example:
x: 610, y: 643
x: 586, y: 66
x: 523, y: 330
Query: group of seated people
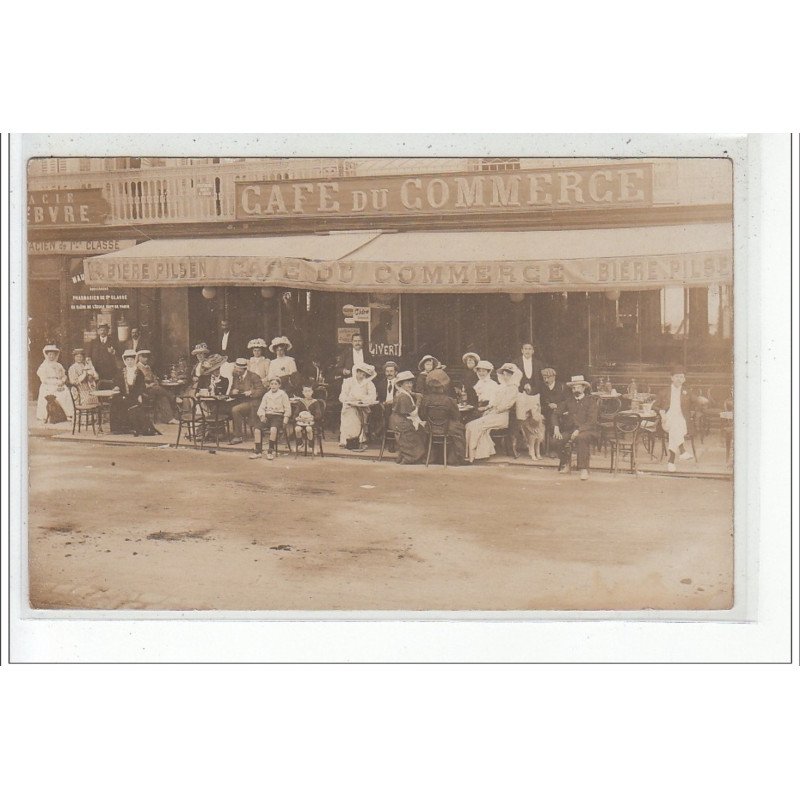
x: 525, y: 401
x: 137, y: 401
x: 468, y: 408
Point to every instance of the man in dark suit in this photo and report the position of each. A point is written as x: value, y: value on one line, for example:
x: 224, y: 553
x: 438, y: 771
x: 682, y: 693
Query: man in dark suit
x: 105, y: 352
x: 384, y: 384
x: 135, y: 341
x: 577, y: 425
x: 354, y: 355
x: 552, y: 393
x: 531, y: 369
x: 384, y: 388
x: 226, y: 343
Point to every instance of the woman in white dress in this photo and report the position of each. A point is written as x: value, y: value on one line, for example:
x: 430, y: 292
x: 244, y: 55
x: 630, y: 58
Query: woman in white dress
x: 54, y: 382
x: 258, y: 363
x: 479, y: 440
x: 357, y: 389
x: 485, y: 388
x: 283, y: 366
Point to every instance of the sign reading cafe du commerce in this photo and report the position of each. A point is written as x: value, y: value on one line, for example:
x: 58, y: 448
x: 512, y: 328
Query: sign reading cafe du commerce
x: 699, y: 268
x: 623, y: 185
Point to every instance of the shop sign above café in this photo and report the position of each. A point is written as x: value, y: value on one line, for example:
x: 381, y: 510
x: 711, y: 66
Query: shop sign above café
x: 607, y: 186
x: 582, y: 274
x: 81, y: 247
x: 66, y: 208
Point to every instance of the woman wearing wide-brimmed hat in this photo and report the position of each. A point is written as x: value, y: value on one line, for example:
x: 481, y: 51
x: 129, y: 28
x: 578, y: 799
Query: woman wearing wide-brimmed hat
x: 485, y: 387
x: 282, y: 366
x: 405, y: 422
x: 209, y: 377
x: 200, y: 351
x: 470, y: 361
x: 258, y: 363
x: 127, y: 412
x: 357, y: 395
x: 426, y: 365
x: 437, y: 407
x: 83, y: 376
x: 479, y: 441
x: 54, y: 384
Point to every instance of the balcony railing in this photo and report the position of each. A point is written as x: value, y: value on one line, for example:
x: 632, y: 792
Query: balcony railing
x: 180, y: 194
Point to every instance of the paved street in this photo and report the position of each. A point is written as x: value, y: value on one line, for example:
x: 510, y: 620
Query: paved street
x: 132, y: 527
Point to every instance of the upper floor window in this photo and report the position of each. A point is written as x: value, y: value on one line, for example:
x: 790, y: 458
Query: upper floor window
x: 498, y: 164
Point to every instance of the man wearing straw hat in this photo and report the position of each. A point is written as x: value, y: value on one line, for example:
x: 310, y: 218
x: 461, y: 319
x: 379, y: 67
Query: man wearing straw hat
x: 246, y: 391
x: 576, y: 425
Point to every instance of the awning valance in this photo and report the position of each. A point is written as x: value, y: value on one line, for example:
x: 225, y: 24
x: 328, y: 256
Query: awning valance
x: 428, y: 261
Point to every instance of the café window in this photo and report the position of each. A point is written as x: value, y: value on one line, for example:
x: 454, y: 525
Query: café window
x: 673, y: 311
x: 720, y: 313
x: 498, y: 164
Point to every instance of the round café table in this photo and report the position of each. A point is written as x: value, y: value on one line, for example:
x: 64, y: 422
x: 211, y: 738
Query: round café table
x: 104, y: 401
x: 465, y: 410
x: 363, y: 410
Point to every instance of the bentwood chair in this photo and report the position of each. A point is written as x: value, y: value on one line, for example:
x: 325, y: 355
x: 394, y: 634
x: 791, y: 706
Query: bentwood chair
x: 661, y: 435
x: 214, y: 423
x: 86, y: 415
x: 438, y: 432
x: 608, y: 408
x: 191, y: 420
x: 389, y: 436
x: 624, y: 443
x: 319, y: 435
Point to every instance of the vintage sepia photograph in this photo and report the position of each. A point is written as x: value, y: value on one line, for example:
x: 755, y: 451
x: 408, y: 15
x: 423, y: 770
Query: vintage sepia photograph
x: 380, y: 383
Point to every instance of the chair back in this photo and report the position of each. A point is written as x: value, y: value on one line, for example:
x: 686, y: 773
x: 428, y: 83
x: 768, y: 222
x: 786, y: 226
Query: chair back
x: 438, y: 420
x: 73, y: 390
x: 323, y: 404
x: 190, y: 407
x: 609, y: 406
x: 626, y: 428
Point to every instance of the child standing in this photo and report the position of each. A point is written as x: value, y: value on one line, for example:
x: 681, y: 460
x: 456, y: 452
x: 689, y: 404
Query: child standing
x: 273, y: 412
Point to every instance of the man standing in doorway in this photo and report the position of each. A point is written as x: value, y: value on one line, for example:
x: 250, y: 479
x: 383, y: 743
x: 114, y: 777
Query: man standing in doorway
x: 354, y: 357
x: 104, y: 353
x: 227, y: 342
x: 531, y: 369
x: 136, y: 342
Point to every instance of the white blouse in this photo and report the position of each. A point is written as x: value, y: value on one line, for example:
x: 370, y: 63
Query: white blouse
x: 486, y: 389
x: 259, y: 365
x: 51, y: 373
x: 354, y: 392
x: 280, y: 367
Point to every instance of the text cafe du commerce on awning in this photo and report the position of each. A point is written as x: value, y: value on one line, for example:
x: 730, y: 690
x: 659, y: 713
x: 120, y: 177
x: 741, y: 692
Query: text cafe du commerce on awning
x: 602, y: 272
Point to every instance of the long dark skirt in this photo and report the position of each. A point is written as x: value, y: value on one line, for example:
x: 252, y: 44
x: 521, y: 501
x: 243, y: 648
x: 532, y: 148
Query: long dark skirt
x: 127, y: 416
x: 456, y: 443
x: 163, y: 403
x: 411, y: 444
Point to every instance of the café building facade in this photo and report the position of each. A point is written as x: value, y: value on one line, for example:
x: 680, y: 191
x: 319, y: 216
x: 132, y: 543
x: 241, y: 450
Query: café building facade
x: 610, y: 267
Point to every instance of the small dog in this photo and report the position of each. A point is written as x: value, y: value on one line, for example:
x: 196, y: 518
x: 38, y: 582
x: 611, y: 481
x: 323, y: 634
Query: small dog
x: 55, y: 413
x: 531, y: 421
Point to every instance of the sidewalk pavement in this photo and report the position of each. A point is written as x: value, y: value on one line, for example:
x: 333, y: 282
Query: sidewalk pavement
x: 711, y: 459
